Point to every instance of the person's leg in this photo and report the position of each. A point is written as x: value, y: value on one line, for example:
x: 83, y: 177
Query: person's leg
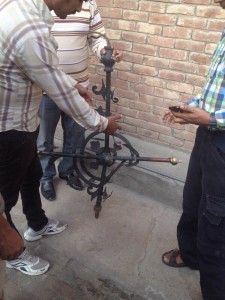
x: 73, y: 136
x: 2, y: 278
x: 211, y: 225
x: 187, y: 228
x: 32, y: 207
x: 20, y: 170
x: 17, y: 153
x: 49, y: 115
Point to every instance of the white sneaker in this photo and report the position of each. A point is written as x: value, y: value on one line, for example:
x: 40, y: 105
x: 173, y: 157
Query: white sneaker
x: 53, y: 227
x: 29, y: 264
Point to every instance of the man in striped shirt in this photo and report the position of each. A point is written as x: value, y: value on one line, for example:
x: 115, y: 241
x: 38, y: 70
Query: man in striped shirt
x: 201, y: 229
x: 28, y: 66
x: 75, y: 36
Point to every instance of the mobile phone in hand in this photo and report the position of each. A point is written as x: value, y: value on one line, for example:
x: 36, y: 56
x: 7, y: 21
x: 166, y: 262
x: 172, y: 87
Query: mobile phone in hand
x: 176, y: 108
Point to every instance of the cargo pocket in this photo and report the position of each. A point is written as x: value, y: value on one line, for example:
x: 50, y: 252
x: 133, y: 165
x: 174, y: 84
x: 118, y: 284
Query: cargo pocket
x: 214, y: 209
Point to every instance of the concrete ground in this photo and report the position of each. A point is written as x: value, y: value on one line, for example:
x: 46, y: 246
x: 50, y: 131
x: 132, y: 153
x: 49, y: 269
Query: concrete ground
x: 118, y: 255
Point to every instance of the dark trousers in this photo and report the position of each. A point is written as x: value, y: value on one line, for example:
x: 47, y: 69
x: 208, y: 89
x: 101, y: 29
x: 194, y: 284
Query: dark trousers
x: 20, y: 171
x: 201, y: 229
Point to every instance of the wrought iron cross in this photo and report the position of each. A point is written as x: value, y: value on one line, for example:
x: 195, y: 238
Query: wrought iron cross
x: 98, y: 159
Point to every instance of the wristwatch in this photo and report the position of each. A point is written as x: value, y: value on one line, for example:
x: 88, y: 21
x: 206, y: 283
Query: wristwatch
x: 212, y: 122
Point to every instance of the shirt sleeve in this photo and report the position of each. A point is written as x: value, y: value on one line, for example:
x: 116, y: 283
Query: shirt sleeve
x: 219, y: 114
x: 37, y: 58
x: 95, y: 39
x: 220, y: 118
x: 195, y: 102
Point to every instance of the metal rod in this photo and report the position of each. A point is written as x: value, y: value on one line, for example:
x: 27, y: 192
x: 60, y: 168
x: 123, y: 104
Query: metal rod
x: 172, y: 160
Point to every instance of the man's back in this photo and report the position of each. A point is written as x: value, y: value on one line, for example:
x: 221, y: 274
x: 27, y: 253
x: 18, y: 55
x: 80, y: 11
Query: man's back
x: 19, y: 26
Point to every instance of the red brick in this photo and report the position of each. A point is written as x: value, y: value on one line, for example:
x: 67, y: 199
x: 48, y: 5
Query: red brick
x: 109, y: 12
x: 189, y: 136
x: 127, y: 112
x: 134, y: 37
x: 200, y: 58
x: 191, y: 22
x: 171, y: 140
x: 186, y: 67
x: 123, y: 65
x: 133, y: 57
x: 137, y: 105
x: 201, y: 2
x: 141, y: 88
x: 215, y: 25
x: 156, y: 62
x: 107, y: 3
x: 172, y: 53
x: 148, y: 28
x: 188, y: 145
x: 205, y: 36
x: 193, y: 46
x: 113, y: 34
x: 129, y: 4
x: 210, y: 12
x: 118, y: 83
x: 166, y: 94
x: 177, y: 32
x: 210, y: 48
x: 127, y: 94
x: 203, y: 70
x: 128, y: 128
x: 180, y: 9
x: 150, y: 134
x: 153, y: 81
x: 131, y: 77
x: 172, y: 75
x: 121, y: 45
x: 152, y: 7
x: 180, y: 87
x: 140, y: 69
x: 123, y: 25
x: 144, y: 49
x: 152, y: 100
x: 161, y: 41
x: 135, y: 15
x: 162, y: 19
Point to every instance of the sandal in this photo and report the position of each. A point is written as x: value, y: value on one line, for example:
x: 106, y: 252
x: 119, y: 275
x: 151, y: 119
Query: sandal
x: 173, y: 254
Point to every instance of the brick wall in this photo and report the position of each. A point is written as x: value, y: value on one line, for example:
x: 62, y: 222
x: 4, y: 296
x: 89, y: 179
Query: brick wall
x: 167, y: 48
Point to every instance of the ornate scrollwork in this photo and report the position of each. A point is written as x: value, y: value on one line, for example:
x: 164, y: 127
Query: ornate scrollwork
x: 98, y: 159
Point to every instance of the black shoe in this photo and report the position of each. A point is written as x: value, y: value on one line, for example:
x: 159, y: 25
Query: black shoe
x: 73, y: 181
x: 48, y: 191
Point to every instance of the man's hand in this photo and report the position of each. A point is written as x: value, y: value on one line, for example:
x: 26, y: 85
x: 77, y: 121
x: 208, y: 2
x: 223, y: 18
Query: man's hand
x: 84, y: 93
x: 168, y: 117
x: 190, y: 115
x: 112, y: 124
x: 11, y: 243
x: 116, y: 53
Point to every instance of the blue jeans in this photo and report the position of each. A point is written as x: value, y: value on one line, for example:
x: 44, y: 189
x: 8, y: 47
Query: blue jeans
x: 73, y: 136
x: 201, y: 229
